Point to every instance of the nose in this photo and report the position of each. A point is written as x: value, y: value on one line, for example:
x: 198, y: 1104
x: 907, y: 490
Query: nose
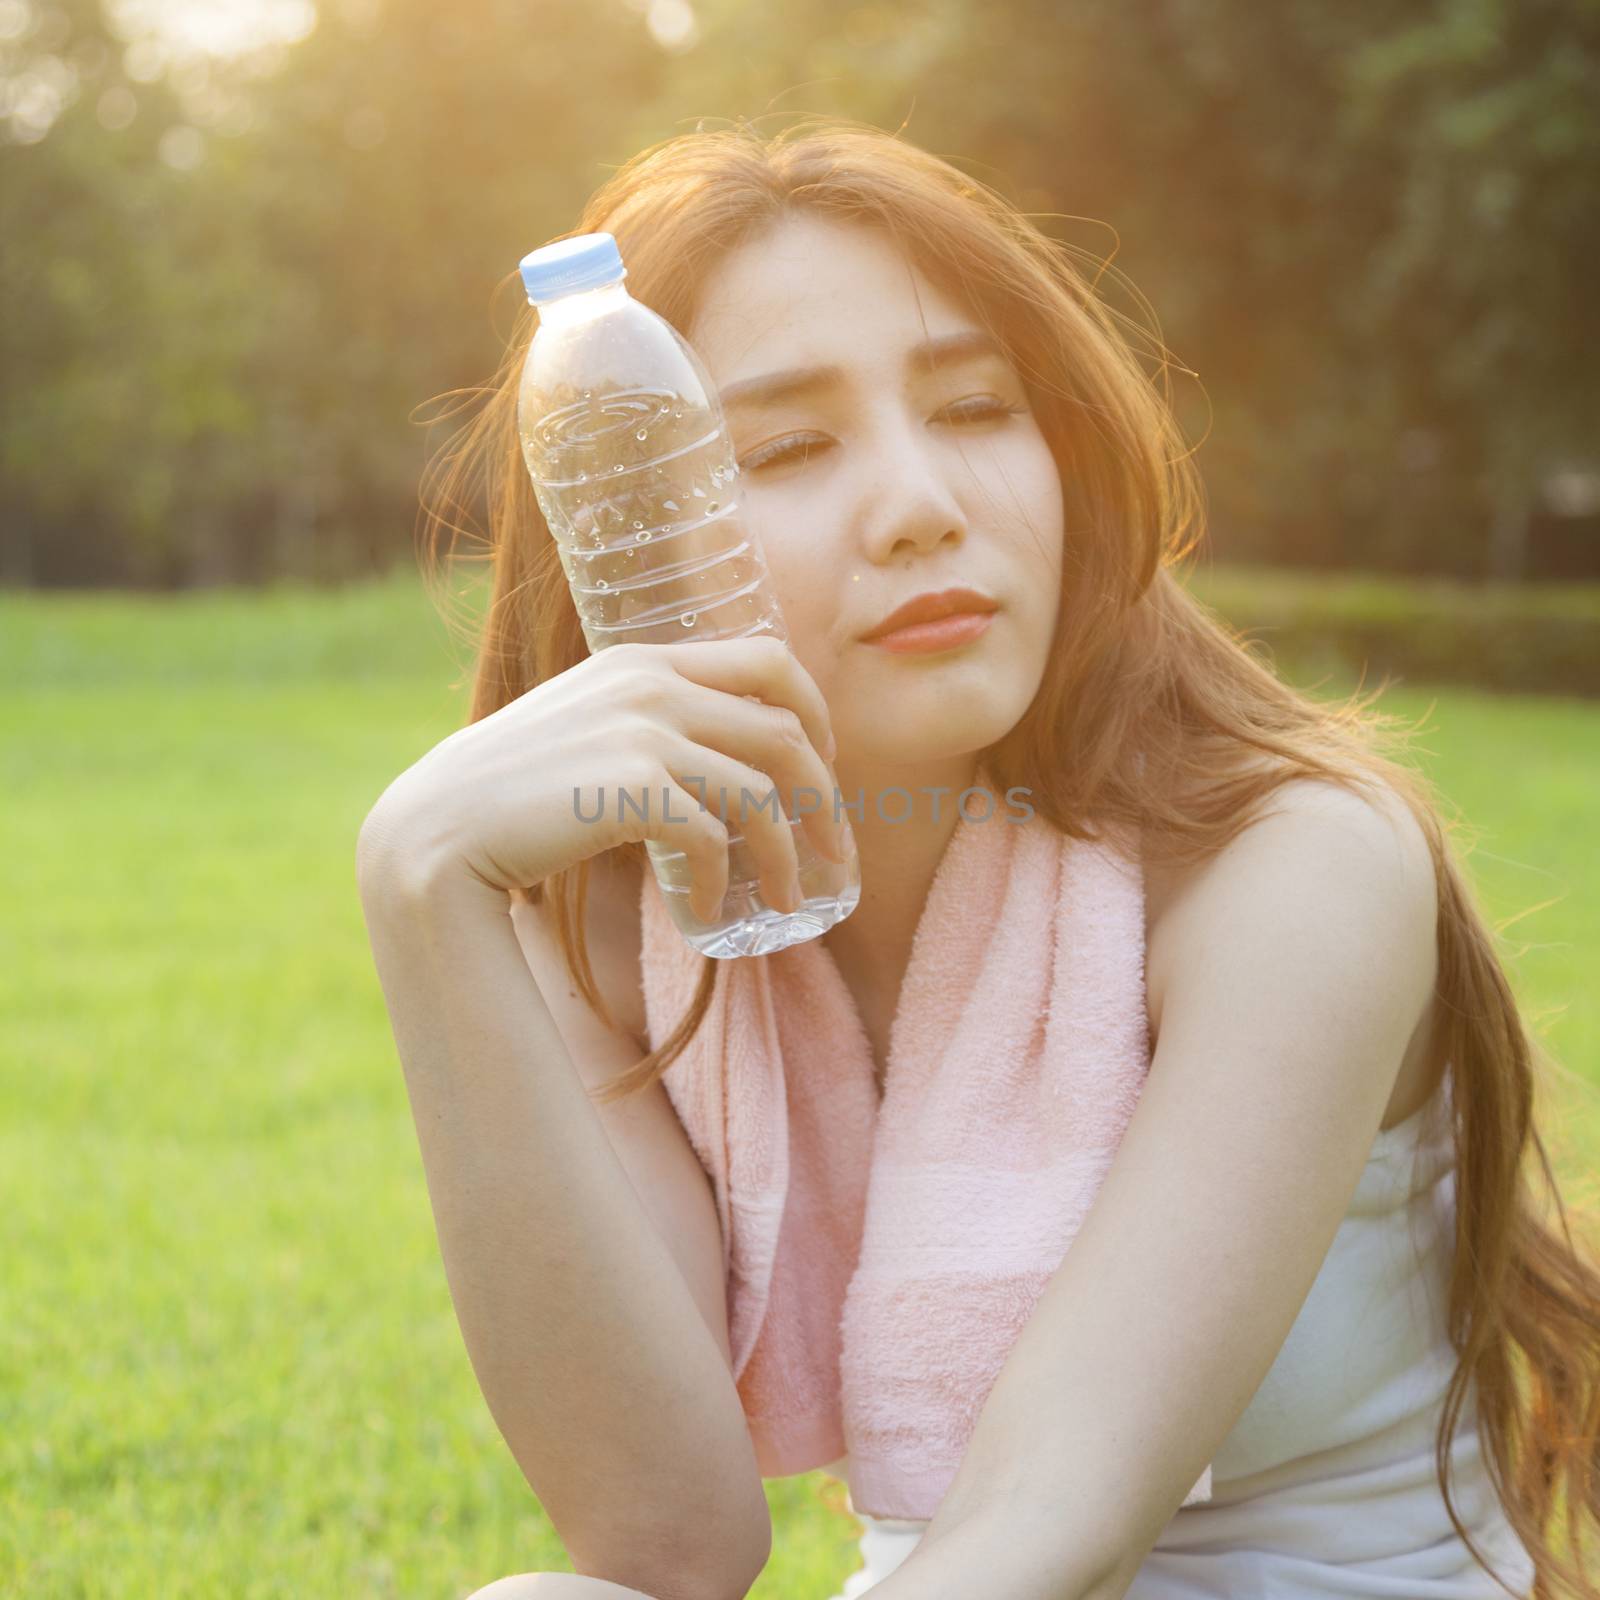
x: 908, y: 505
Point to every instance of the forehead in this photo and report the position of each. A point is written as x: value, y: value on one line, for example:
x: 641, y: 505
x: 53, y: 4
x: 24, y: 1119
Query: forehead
x: 811, y: 290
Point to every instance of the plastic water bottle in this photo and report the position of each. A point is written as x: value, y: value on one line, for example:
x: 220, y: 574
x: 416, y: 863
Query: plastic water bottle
x: 633, y: 468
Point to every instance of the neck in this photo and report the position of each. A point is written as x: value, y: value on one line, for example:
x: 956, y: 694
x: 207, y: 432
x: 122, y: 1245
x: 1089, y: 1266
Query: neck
x: 901, y: 832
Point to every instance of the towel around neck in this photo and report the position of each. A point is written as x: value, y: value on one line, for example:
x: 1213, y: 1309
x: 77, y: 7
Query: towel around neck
x: 881, y: 1259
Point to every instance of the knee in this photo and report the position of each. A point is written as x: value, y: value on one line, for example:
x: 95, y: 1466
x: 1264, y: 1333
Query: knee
x: 556, y: 1586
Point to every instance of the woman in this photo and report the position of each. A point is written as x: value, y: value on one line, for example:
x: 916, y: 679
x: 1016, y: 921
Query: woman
x: 1321, y: 990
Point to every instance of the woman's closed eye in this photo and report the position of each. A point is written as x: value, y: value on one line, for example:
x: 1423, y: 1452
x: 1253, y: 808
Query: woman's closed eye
x: 799, y: 446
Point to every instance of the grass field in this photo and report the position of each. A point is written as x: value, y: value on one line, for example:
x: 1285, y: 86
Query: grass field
x: 228, y: 1361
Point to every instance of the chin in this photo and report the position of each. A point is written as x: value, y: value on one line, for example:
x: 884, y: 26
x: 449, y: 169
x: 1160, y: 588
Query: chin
x: 911, y: 741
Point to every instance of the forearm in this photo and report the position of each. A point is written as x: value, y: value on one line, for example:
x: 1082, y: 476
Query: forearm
x: 587, y: 1343
x: 996, y: 1552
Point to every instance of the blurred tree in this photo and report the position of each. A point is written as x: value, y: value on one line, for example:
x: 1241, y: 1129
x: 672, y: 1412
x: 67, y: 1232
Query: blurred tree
x: 215, y: 345
x: 126, y: 270
x: 231, y: 285
x: 409, y: 160
x: 1488, y: 113
x: 1364, y: 227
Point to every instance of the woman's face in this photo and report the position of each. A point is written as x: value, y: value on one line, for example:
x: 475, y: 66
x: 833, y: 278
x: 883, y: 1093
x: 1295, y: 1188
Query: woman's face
x: 890, y: 476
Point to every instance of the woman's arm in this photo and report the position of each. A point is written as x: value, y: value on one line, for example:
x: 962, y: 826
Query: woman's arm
x: 1294, y: 970
x: 643, y: 1127
x: 591, y: 1352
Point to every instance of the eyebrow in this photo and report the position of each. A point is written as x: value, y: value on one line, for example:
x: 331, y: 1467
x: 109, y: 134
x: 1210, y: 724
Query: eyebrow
x: 776, y: 386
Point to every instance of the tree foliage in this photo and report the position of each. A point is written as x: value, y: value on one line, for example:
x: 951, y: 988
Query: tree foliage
x: 1364, y: 234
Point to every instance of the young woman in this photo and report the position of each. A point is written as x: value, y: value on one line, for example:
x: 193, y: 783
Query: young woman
x: 945, y: 404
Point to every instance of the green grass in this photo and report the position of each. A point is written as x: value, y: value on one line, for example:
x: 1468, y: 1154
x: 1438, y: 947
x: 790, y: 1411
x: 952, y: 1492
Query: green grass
x: 228, y: 1362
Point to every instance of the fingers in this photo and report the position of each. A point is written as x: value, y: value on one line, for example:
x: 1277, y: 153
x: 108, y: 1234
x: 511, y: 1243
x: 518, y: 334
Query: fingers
x: 755, y: 816
x: 704, y: 841
x: 762, y: 665
x: 740, y: 727
x: 774, y: 741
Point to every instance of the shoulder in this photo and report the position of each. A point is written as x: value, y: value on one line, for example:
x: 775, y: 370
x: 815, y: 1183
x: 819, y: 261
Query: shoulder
x: 1326, y: 870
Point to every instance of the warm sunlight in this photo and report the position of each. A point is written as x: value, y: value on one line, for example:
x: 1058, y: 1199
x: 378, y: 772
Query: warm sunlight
x: 215, y: 27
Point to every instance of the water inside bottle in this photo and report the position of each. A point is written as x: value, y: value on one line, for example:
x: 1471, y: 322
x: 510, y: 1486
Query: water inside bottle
x: 746, y: 925
x: 641, y: 494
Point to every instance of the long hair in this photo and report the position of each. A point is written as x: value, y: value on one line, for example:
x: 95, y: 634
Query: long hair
x: 1152, y: 714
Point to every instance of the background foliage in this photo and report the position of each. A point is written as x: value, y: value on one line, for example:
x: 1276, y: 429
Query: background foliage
x: 234, y: 282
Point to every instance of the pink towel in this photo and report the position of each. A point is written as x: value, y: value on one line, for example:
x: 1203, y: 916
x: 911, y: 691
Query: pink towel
x: 880, y: 1262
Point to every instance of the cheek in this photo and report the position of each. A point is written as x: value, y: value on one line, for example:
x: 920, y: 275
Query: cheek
x: 1038, y: 527
x: 792, y: 579
x: 809, y: 595
x: 1036, y: 481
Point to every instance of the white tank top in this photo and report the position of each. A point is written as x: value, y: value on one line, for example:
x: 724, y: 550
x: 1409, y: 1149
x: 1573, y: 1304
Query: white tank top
x: 1326, y: 1484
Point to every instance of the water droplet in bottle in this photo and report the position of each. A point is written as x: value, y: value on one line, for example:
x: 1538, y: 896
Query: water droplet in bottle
x: 600, y: 583
x: 641, y: 537
x: 618, y: 467
x: 637, y: 523
x: 687, y: 619
x: 711, y: 510
x: 641, y: 434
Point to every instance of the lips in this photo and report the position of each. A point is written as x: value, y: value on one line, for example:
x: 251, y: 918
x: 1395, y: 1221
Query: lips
x: 931, y: 607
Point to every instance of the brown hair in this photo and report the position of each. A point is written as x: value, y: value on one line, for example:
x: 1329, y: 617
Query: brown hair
x: 1152, y: 713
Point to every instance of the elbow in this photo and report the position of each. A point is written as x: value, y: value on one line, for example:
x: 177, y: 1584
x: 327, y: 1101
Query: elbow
x: 755, y: 1555
x: 740, y: 1558
x: 701, y: 1558
x: 741, y: 1579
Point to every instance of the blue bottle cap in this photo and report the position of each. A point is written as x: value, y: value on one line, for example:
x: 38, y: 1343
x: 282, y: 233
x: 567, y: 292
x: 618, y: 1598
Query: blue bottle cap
x: 585, y: 261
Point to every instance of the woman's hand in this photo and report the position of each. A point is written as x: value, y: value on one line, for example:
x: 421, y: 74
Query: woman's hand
x: 500, y: 798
